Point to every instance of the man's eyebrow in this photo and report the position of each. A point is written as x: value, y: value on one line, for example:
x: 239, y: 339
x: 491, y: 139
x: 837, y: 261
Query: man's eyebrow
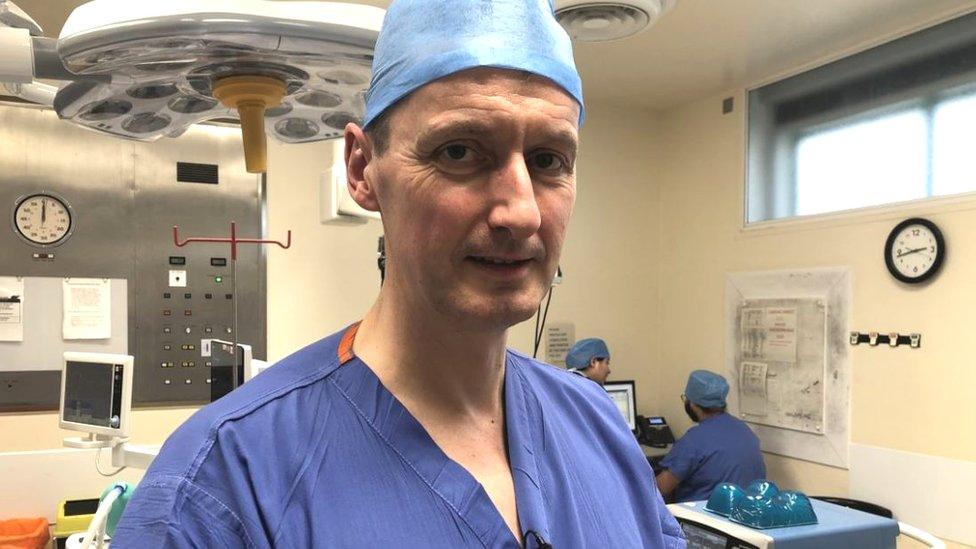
x: 454, y: 128
x: 562, y: 138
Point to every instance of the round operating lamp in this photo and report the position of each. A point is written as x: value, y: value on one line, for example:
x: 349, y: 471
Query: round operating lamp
x: 296, y: 71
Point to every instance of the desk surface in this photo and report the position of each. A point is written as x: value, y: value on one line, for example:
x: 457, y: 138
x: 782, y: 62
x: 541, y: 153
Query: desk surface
x: 655, y: 452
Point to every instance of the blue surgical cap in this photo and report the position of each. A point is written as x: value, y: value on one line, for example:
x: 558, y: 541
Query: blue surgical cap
x: 585, y: 350
x: 707, y: 389
x: 425, y: 40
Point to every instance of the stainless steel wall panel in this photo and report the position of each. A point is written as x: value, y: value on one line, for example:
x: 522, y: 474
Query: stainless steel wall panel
x: 125, y: 199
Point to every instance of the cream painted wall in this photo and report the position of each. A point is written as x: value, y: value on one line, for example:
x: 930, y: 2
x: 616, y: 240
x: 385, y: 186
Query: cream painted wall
x: 900, y: 398
x: 328, y: 278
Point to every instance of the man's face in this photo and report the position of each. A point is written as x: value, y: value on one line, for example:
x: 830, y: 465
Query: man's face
x: 690, y: 409
x: 599, y: 370
x: 476, y: 189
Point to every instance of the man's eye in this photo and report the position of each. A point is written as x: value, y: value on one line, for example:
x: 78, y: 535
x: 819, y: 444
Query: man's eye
x: 546, y: 161
x: 457, y: 153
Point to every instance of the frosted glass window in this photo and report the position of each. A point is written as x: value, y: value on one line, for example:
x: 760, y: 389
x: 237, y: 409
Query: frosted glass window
x: 953, y: 153
x: 888, y: 125
x: 877, y: 161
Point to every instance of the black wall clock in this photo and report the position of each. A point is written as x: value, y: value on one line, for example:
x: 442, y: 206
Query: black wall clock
x: 915, y: 250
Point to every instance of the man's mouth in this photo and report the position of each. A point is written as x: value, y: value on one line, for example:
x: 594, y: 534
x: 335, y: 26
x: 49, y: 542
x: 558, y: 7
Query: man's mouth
x: 485, y: 260
x: 508, y: 268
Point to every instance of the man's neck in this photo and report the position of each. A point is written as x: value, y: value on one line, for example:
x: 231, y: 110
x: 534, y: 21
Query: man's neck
x: 431, y: 362
x: 450, y: 378
x: 709, y: 415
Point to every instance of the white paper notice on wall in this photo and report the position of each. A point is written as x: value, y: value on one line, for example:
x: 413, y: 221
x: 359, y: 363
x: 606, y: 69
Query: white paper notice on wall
x: 769, y: 334
x: 11, y: 308
x: 87, y: 308
x: 752, y: 388
x: 560, y: 336
x: 781, y: 373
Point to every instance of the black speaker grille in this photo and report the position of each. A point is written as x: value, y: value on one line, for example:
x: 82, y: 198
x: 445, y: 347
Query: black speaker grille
x: 188, y: 172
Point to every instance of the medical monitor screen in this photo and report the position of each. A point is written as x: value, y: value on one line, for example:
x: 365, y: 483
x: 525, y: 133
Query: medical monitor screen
x: 93, y: 394
x: 700, y: 538
x: 622, y: 395
x: 226, y: 374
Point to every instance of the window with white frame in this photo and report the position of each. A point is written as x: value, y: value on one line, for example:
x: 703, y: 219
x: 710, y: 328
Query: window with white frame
x: 892, y: 124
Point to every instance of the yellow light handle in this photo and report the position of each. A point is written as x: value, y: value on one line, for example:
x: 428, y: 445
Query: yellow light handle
x: 251, y: 96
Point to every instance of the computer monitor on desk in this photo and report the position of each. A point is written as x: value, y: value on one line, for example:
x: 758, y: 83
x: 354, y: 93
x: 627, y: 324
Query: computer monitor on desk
x: 651, y: 431
x: 622, y: 394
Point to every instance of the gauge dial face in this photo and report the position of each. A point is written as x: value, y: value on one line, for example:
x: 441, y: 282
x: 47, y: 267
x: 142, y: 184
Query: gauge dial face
x: 43, y: 219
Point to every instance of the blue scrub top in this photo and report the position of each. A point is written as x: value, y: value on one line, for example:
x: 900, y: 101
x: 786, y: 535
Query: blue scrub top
x: 315, y: 452
x: 721, y: 448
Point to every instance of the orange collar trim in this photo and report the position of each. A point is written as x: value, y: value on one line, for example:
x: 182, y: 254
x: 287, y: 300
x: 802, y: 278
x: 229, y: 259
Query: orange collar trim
x: 345, y: 351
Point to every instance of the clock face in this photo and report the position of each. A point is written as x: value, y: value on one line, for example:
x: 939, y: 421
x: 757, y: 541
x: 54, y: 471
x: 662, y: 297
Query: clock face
x: 43, y: 219
x: 915, y: 250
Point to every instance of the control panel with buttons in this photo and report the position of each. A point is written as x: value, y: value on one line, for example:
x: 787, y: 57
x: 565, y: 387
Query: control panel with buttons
x: 195, y: 302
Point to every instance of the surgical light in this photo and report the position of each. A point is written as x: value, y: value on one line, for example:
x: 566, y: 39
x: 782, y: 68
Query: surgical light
x: 297, y: 71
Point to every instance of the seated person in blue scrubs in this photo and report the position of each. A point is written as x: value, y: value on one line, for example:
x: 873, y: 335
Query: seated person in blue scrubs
x: 589, y: 358
x: 416, y: 427
x: 721, y: 448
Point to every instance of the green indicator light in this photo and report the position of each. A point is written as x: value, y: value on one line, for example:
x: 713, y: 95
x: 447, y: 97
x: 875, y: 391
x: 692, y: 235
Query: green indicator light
x: 218, y: 279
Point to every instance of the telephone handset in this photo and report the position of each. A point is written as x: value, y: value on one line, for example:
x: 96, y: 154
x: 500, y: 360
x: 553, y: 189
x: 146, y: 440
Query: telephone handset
x: 654, y: 431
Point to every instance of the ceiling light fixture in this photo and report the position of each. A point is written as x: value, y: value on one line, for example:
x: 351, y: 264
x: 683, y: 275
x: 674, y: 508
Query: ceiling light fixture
x: 596, y: 21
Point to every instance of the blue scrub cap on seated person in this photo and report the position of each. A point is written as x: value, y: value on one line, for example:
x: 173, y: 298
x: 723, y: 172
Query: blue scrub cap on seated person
x: 707, y: 389
x: 425, y: 40
x: 579, y: 356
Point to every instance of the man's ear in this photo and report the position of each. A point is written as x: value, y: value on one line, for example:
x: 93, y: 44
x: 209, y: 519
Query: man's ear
x: 359, y: 153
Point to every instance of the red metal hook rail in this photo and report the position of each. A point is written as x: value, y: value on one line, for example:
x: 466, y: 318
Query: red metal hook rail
x: 233, y: 240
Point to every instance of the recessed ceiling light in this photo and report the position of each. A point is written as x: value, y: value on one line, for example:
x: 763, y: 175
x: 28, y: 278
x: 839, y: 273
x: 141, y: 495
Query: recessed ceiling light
x: 596, y: 21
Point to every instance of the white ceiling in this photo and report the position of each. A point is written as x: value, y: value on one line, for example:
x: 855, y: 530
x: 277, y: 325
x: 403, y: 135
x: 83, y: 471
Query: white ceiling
x: 703, y: 47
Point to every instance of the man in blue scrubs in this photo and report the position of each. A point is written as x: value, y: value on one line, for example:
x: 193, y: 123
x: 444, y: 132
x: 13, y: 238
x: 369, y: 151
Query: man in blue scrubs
x: 721, y: 448
x: 416, y: 427
x: 589, y: 358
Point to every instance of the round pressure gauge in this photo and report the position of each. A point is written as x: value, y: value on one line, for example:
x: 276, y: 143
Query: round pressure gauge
x: 43, y: 219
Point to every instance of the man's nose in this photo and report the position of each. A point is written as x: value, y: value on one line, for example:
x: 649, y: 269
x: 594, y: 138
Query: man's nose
x: 513, y: 202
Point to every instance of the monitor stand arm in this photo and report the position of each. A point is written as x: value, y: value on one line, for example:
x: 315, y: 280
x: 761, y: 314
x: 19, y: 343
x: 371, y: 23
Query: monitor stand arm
x: 124, y: 454
x: 133, y: 455
x: 93, y: 441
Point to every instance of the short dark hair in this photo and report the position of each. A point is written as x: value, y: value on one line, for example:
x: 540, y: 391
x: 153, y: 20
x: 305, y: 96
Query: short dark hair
x: 378, y: 133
